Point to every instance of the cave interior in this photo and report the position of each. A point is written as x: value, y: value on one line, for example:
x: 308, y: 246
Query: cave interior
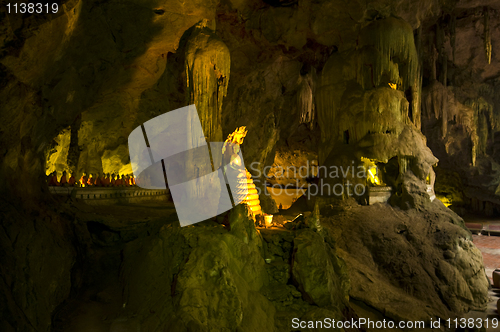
x: 246, y: 165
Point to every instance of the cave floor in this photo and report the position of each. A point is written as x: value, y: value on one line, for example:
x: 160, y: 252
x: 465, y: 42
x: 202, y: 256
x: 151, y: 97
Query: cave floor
x: 490, y: 248
x: 99, y: 306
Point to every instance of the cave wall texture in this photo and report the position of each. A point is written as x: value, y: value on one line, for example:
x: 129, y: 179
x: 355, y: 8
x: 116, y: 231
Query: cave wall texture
x: 73, y: 85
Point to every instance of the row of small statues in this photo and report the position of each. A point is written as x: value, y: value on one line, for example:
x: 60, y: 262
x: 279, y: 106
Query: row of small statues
x: 106, y: 180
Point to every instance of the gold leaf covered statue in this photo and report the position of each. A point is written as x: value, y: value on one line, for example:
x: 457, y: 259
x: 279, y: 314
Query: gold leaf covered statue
x: 245, y: 178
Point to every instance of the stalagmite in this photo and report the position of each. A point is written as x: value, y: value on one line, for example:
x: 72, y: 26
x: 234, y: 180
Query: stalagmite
x: 377, y: 111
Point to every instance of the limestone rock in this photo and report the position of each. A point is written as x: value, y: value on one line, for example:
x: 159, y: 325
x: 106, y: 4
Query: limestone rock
x: 396, y: 265
x: 36, y: 262
x: 199, y: 276
x: 317, y: 271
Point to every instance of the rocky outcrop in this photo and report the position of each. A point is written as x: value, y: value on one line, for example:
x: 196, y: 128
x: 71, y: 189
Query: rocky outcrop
x: 208, y: 277
x: 36, y: 260
x: 201, y: 277
x: 408, y: 264
x: 318, y: 272
x: 77, y: 82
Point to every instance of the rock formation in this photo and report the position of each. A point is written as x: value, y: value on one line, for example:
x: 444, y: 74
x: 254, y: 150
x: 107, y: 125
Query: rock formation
x: 410, y: 87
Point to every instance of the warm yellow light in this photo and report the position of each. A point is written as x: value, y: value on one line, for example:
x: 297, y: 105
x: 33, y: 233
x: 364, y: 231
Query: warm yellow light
x: 235, y: 137
x: 268, y: 219
x: 372, y: 175
x: 445, y: 200
x: 393, y: 86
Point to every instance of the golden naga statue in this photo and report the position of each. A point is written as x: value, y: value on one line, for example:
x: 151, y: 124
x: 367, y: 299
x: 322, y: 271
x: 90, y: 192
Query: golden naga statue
x: 245, y: 178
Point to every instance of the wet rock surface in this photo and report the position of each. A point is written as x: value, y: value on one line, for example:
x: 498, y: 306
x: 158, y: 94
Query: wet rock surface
x: 406, y: 264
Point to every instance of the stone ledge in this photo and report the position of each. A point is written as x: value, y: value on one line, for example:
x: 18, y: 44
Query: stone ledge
x: 379, y: 194
x: 112, y: 195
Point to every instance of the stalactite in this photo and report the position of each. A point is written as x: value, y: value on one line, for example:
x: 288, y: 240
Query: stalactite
x: 444, y: 77
x: 487, y: 34
x: 404, y: 164
x: 442, y: 57
x: 386, y: 54
x: 474, y: 116
x: 396, y: 54
x: 329, y: 91
x: 305, y: 99
x: 482, y: 120
x: 435, y: 105
x: 416, y: 91
x: 453, y: 35
x: 434, y: 56
x: 377, y: 111
x: 444, y: 116
x: 372, y: 65
x: 207, y: 65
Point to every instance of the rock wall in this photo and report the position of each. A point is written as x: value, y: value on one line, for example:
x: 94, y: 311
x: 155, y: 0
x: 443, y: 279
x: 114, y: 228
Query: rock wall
x: 398, y: 260
x: 37, y: 256
x: 87, y: 60
x: 103, y: 68
x: 460, y: 104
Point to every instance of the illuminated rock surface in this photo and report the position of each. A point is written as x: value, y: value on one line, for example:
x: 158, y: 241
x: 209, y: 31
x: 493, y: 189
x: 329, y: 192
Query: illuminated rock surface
x: 406, y: 84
